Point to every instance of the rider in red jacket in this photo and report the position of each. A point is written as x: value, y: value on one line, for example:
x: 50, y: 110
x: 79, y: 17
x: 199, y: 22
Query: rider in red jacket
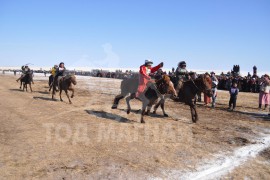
x: 144, y: 78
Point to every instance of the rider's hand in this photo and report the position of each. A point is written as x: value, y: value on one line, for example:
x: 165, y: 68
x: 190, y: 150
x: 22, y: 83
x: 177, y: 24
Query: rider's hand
x: 161, y: 64
x: 152, y: 81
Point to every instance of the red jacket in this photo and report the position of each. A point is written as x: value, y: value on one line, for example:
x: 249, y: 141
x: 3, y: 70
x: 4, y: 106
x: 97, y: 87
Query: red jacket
x: 144, y: 77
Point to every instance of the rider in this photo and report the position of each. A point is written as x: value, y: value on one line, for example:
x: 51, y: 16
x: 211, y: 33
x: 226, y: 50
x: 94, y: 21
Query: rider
x: 60, y: 72
x: 53, y: 70
x: 144, y: 77
x: 181, y: 73
x: 25, y: 70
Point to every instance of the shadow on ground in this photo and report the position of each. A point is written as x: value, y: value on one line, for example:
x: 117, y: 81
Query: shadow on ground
x: 44, y: 98
x: 109, y: 116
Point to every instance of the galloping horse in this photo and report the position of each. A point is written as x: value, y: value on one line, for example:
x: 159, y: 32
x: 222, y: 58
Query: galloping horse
x: 27, y: 79
x: 190, y: 88
x: 51, y: 78
x: 158, y: 90
x: 65, y: 83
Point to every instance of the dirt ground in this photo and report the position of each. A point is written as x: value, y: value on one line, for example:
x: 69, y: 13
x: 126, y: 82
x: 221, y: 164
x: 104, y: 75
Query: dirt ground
x: 45, y: 139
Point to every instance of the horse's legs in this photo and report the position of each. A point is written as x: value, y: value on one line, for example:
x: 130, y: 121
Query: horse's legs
x: 68, y: 96
x: 30, y: 87
x: 156, y: 106
x: 53, y: 92
x: 143, y: 110
x: 116, y: 101
x: 72, y: 90
x: 132, y: 96
x: 60, y: 94
x: 194, y: 114
x: 21, y: 85
x: 162, y: 101
x: 148, y: 109
x: 54, y: 87
x: 51, y: 85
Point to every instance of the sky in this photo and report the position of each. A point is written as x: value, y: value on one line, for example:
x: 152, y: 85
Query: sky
x: 207, y: 34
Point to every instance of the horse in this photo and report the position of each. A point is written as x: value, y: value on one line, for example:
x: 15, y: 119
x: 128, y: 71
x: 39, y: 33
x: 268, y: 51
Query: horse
x: 129, y: 86
x: 27, y: 79
x: 189, y: 89
x: 51, y: 77
x: 158, y: 90
x: 65, y: 83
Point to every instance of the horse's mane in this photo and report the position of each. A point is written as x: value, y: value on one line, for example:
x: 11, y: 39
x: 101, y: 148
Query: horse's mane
x: 165, y: 78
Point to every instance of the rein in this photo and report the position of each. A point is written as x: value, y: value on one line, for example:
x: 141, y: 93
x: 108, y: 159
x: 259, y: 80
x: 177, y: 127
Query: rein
x: 157, y: 89
x: 197, y: 86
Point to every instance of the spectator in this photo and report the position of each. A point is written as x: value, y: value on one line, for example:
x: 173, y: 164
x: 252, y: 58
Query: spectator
x: 207, y: 99
x: 233, y: 92
x: 214, y: 88
x: 264, y: 92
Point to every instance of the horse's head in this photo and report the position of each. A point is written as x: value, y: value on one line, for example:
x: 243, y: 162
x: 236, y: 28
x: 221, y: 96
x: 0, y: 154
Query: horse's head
x: 70, y: 79
x: 165, y: 86
x: 73, y: 79
x: 207, y: 85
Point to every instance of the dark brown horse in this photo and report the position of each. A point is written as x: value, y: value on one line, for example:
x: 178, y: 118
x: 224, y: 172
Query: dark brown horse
x: 51, y: 78
x: 27, y: 79
x: 65, y: 83
x: 190, y: 88
x: 154, y: 92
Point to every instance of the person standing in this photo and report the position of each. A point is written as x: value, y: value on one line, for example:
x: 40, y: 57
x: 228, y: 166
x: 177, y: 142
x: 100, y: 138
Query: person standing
x: 234, y: 93
x: 214, y: 88
x: 264, y: 97
x: 206, y: 99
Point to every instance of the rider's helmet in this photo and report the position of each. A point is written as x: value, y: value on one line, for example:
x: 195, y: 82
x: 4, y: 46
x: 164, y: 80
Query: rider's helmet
x: 182, y: 64
x: 148, y: 62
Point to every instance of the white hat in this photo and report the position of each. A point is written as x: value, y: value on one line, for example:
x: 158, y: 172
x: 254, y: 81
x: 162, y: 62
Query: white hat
x: 148, y: 61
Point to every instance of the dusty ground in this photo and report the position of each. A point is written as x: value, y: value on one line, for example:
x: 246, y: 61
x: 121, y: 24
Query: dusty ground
x: 45, y: 139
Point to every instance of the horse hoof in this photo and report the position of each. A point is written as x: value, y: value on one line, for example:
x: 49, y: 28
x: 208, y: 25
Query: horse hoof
x: 142, y: 121
x: 70, y: 102
x: 166, y: 115
x: 62, y: 100
x: 114, y: 107
x: 128, y: 111
x: 71, y: 96
x: 194, y: 120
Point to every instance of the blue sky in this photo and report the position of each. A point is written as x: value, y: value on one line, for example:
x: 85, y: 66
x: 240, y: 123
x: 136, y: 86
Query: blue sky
x: 208, y: 34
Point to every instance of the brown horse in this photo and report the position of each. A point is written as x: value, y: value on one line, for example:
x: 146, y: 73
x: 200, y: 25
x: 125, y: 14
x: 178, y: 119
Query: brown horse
x: 27, y: 79
x: 155, y: 91
x: 190, y: 88
x: 65, y: 83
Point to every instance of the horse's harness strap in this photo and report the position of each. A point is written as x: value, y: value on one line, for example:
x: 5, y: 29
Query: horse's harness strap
x: 155, y: 85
